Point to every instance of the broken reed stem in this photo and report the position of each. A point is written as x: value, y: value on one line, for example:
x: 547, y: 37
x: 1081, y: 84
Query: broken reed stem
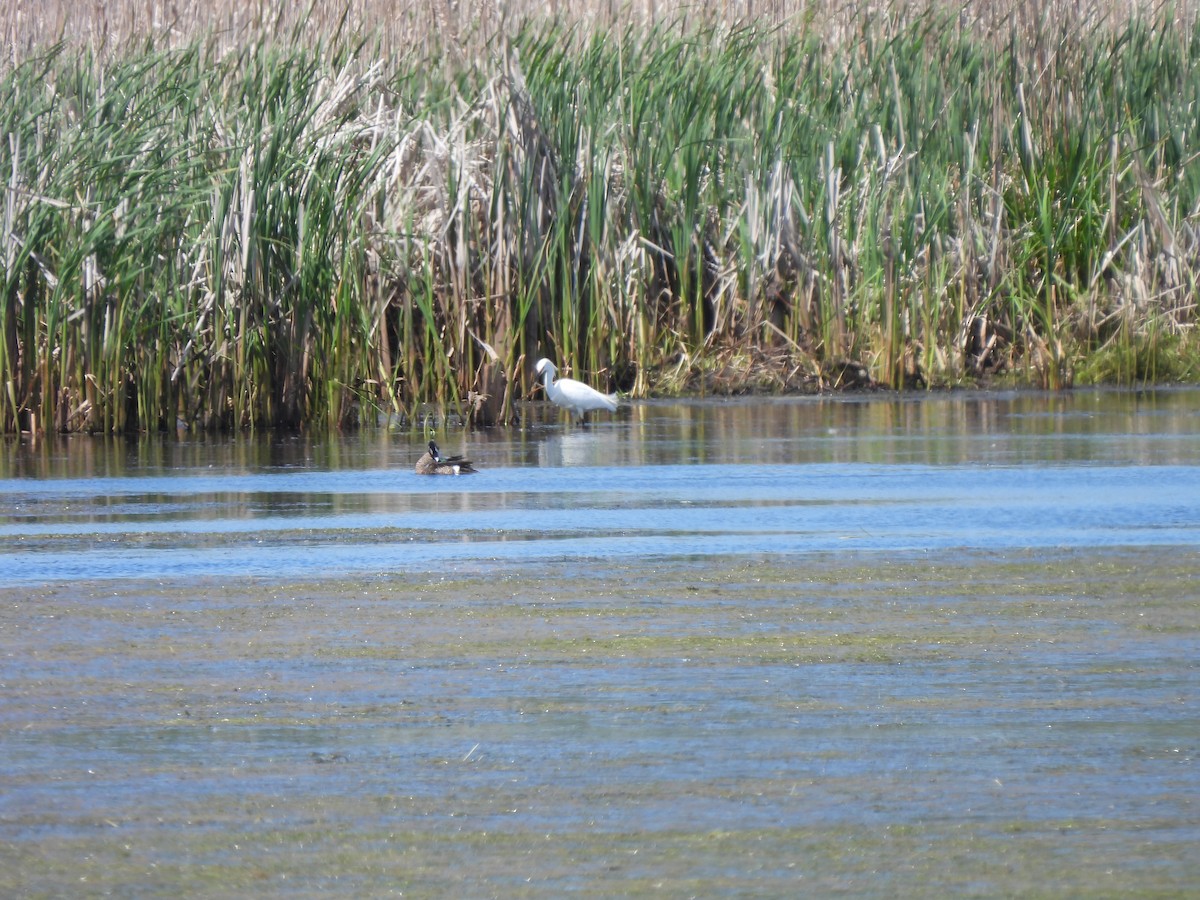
x: 292, y: 234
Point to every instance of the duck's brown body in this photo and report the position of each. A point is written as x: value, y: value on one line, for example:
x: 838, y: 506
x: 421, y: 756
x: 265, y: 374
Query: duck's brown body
x: 433, y: 463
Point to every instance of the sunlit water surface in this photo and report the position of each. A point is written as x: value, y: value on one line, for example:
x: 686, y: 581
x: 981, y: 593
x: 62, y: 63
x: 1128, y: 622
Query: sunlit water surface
x: 720, y: 477
x: 874, y: 646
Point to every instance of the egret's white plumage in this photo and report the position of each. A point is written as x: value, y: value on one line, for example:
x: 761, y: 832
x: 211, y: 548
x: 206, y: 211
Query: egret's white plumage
x: 571, y: 394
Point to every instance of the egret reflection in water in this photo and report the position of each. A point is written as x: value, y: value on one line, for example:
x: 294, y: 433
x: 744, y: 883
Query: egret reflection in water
x: 710, y: 477
x: 752, y: 636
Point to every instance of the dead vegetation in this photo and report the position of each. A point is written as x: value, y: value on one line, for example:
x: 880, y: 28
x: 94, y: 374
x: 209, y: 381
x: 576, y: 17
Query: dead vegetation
x: 219, y: 216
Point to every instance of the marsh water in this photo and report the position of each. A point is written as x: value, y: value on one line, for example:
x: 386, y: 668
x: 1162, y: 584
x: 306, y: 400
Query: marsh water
x: 871, y: 646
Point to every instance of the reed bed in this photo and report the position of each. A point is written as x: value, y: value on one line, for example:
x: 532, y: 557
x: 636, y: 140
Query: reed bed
x: 311, y: 224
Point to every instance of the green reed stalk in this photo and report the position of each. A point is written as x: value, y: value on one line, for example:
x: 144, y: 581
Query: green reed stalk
x: 292, y: 237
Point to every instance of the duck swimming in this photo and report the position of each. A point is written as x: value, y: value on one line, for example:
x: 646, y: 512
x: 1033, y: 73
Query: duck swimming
x: 570, y: 394
x: 433, y: 463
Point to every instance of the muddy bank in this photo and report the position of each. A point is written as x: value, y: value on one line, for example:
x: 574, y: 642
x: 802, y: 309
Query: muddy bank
x: 951, y: 723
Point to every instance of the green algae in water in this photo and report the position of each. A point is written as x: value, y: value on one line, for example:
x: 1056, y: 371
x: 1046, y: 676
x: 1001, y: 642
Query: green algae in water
x: 838, y: 723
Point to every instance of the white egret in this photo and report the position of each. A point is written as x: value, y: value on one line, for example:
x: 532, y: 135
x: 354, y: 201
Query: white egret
x: 433, y: 463
x: 570, y: 394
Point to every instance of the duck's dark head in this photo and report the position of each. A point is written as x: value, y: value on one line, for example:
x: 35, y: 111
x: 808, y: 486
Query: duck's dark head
x: 434, y: 452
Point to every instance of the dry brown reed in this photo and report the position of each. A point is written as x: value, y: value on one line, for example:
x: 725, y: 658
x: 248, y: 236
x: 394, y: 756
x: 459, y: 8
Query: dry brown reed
x: 464, y: 28
x: 292, y: 220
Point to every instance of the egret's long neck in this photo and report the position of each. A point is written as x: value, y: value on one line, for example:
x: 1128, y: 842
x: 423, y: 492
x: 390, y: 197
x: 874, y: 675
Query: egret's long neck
x: 548, y: 383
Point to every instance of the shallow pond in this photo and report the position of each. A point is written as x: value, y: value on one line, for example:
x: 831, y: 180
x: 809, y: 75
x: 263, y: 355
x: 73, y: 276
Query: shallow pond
x: 790, y: 476
x: 873, y: 646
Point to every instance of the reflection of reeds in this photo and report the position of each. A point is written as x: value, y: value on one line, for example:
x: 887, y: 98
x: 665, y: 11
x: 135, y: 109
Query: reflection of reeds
x: 292, y: 234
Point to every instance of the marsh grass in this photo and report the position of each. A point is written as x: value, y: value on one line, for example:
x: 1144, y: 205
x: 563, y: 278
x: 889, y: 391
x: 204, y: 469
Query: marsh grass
x: 318, y: 226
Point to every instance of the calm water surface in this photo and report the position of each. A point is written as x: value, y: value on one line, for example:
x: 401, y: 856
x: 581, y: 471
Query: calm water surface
x: 930, y: 646
x: 1083, y: 469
